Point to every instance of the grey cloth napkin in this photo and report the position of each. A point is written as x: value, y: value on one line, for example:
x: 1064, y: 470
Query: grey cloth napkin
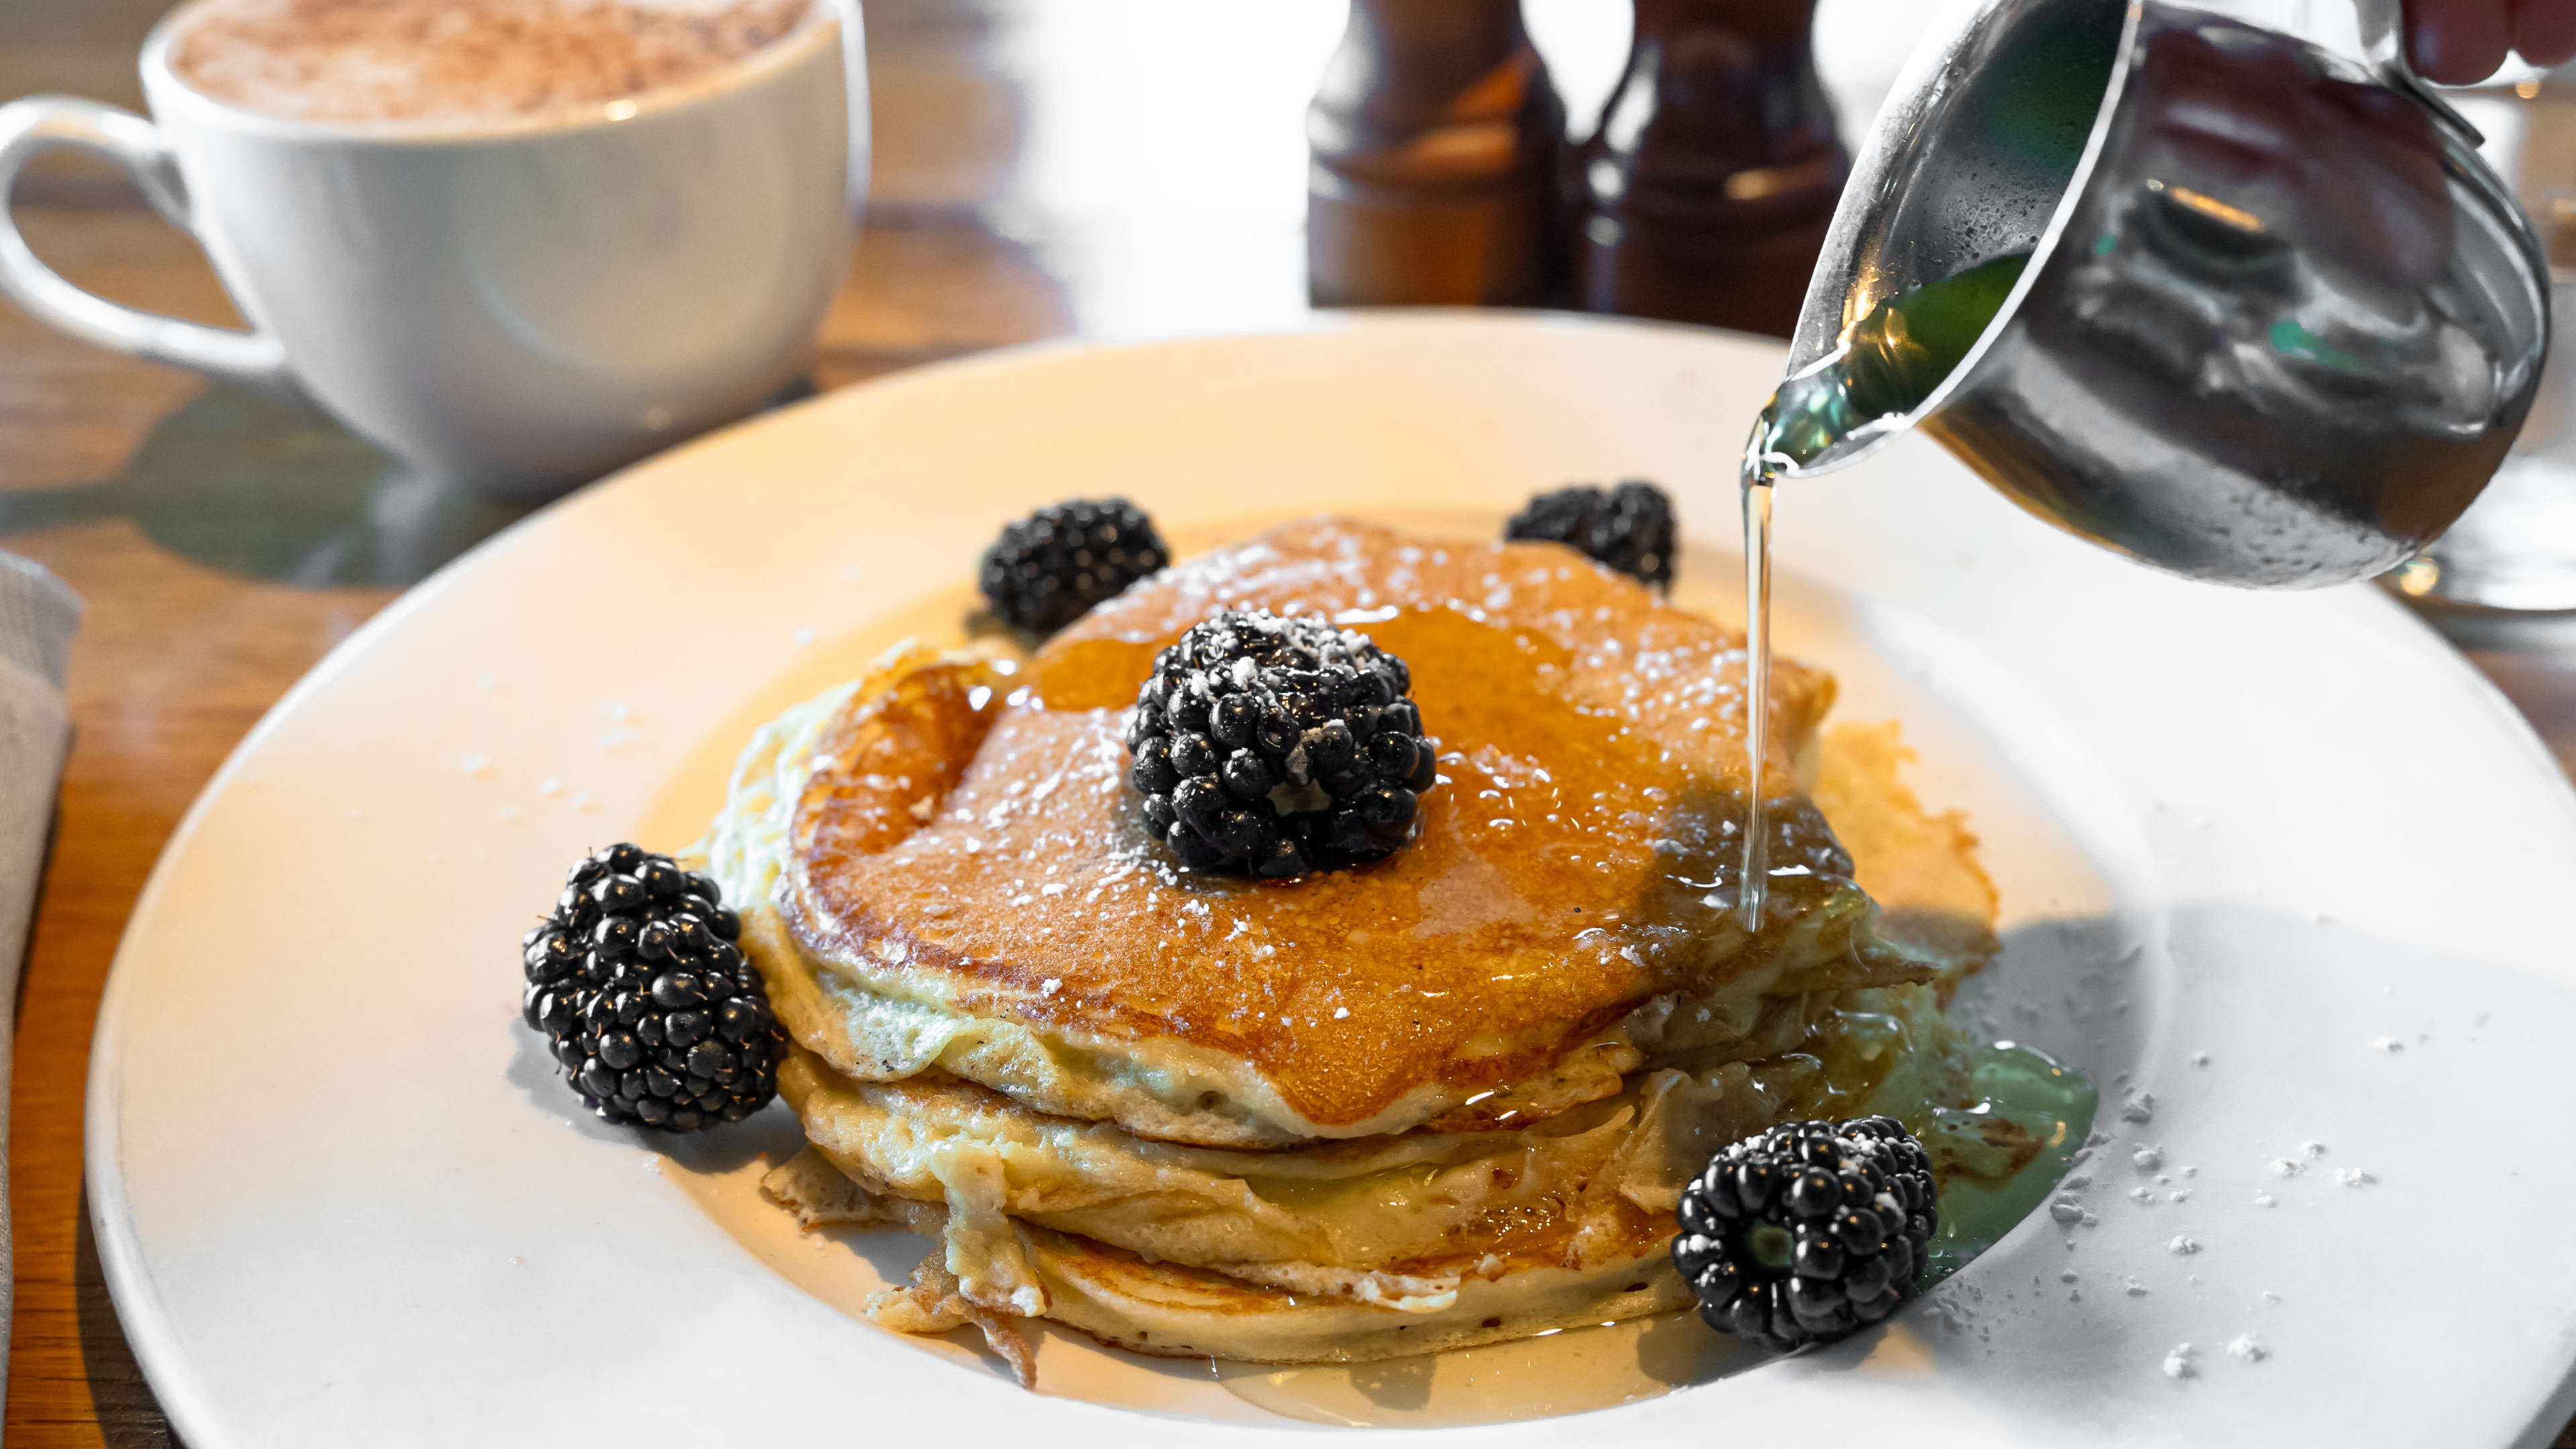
x: 37, y: 617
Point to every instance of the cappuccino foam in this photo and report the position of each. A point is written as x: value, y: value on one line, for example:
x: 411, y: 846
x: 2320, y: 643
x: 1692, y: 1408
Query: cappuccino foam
x: 461, y: 60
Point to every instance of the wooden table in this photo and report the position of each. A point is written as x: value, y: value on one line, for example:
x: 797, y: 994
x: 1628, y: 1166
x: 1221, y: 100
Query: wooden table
x: 1027, y: 184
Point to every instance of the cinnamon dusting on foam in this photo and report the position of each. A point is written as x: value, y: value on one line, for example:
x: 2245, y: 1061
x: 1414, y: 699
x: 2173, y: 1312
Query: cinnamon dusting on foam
x: 462, y: 60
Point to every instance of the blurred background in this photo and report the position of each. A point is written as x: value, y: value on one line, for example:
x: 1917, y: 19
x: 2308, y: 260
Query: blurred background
x: 1112, y: 167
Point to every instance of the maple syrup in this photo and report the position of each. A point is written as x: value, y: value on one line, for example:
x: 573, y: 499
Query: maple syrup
x: 1890, y: 362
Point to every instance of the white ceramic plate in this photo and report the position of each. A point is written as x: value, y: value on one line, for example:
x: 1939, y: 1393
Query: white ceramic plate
x: 2284, y: 863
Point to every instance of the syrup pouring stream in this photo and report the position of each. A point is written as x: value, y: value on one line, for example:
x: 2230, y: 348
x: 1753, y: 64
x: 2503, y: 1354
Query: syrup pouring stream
x: 1755, y: 876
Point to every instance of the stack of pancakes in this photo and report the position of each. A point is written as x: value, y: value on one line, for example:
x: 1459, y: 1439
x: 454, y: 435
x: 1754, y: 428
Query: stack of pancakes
x: 1441, y: 1100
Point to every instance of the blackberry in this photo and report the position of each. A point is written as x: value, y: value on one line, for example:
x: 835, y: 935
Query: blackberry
x: 1048, y: 569
x: 1808, y: 1232
x: 650, y: 1009
x: 1629, y: 528
x: 1277, y: 746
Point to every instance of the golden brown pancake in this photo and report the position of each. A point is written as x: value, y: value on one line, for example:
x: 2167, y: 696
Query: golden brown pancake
x: 970, y: 1066
x: 966, y: 843
x: 1175, y: 1311
x: 1398, y: 1221
x: 1339, y: 1251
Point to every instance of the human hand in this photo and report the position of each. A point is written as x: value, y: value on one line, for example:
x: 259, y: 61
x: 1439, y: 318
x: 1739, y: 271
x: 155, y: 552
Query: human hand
x: 2460, y: 42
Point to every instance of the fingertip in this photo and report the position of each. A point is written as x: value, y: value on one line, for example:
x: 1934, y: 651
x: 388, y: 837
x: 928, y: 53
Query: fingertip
x: 2457, y: 42
x: 2544, y: 31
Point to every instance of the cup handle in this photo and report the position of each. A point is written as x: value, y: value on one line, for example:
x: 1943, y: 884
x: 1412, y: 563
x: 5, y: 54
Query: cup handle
x: 31, y: 127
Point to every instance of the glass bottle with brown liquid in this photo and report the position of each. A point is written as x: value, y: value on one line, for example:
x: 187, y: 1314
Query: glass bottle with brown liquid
x: 1705, y: 192
x: 1436, y: 140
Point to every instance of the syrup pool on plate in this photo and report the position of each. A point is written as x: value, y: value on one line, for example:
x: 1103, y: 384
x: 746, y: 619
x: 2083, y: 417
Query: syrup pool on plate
x: 1563, y: 1371
x: 2046, y: 1099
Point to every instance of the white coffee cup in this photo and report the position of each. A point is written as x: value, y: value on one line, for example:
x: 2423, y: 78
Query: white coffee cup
x: 523, y: 303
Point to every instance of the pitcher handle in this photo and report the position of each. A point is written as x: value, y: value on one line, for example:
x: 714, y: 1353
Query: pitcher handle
x: 31, y: 127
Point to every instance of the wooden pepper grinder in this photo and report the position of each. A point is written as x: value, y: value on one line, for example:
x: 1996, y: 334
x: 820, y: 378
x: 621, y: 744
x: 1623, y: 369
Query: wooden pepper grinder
x: 1704, y: 194
x: 1436, y: 142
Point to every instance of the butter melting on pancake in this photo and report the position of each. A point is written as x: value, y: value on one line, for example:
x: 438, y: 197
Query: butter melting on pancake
x: 1591, y: 746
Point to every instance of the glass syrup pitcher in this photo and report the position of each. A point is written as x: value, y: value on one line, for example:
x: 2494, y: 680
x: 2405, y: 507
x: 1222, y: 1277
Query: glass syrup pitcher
x: 2244, y: 306
x: 2241, y: 305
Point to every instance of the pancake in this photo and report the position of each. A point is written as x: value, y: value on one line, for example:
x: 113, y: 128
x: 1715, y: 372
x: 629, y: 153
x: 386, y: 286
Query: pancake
x: 1401, y: 1221
x: 1172, y: 1311
x: 946, y: 868
x: 1447, y: 1099
x: 1342, y: 1251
